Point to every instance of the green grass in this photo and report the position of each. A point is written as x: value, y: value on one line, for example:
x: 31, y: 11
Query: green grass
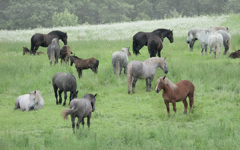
x: 122, y: 121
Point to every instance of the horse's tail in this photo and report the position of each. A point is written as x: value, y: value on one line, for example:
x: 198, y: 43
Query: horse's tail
x: 135, y: 46
x: 129, y: 77
x: 52, y: 55
x: 67, y: 112
x: 218, y: 49
x: 118, y: 67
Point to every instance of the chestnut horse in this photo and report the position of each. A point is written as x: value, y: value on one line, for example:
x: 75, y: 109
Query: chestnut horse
x: 65, y: 53
x: 173, y: 93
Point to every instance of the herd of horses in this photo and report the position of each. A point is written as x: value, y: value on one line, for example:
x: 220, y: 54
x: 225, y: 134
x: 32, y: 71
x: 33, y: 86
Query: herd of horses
x: 214, y: 37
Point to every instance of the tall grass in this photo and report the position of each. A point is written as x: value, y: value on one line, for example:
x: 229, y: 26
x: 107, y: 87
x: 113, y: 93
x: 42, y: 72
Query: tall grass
x: 122, y: 121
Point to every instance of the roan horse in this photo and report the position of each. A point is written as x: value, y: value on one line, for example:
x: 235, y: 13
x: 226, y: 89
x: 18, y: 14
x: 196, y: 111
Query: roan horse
x: 65, y: 53
x: 173, y: 93
x: 65, y: 82
x: 31, y: 101
x: 215, y: 42
x: 81, y: 64
x: 81, y: 108
x: 142, y: 38
x: 44, y: 40
x: 120, y: 60
x: 53, y: 51
x: 144, y: 70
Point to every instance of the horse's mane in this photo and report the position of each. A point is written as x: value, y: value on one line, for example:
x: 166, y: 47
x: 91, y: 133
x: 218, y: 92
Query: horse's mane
x: 169, y: 83
x: 59, y: 33
x: 161, y: 30
x: 154, y: 59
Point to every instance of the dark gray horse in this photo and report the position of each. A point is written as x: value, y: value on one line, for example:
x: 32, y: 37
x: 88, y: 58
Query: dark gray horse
x: 53, y: 51
x: 81, y: 108
x: 65, y: 82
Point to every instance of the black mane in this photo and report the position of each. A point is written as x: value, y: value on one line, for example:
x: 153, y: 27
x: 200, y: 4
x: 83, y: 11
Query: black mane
x: 59, y: 33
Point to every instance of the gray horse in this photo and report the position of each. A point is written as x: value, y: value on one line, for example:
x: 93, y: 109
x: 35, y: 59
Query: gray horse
x: 81, y: 108
x: 65, y: 82
x: 53, y: 51
x: 144, y: 70
x: 120, y: 60
x: 226, y: 40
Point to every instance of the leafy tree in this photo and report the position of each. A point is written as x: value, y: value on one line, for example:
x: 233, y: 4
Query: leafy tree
x: 64, y: 19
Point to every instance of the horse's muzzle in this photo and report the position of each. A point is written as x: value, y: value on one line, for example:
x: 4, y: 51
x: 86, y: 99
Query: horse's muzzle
x: 166, y: 71
x: 157, y: 90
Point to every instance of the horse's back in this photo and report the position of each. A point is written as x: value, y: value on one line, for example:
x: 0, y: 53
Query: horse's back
x: 23, y: 101
x: 188, y: 85
x: 64, y: 81
x: 82, y: 105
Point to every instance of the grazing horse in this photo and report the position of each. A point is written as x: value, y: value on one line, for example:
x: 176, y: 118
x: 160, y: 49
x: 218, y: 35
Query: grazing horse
x: 173, y: 93
x: 64, y: 82
x: 81, y: 108
x: 142, y: 38
x: 144, y: 70
x: 81, y: 64
x: 120, y: 60
x: 31, y: 101
x: 235, y: 54
x: 215, y: 42
x: 27, y: 51
x: 65, y: 54
x: 44, y: 40
x: 53, y: 51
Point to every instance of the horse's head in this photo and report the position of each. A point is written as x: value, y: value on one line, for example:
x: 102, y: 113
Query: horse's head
x: 74, y: 95
x: 64, y: 38
x: 126, y: 50
x: 92, y: 99
x: 33, y: 99
x: 160, y: 84
x: 170, y: 36
x: 164, y: 66
x: 191, y: 39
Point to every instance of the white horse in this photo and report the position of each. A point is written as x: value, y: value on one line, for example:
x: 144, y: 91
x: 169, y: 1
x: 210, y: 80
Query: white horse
x: 120, y: 60
x: 202, y: 35
x: 215, y: 42
x: 31, y: 101
x: 144, y: 70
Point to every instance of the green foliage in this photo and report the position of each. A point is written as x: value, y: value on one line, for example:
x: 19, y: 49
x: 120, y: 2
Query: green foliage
x: 64, y: 19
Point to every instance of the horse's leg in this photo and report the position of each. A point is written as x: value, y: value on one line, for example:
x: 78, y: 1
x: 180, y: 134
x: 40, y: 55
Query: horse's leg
x: 185, y: 105
x: 191, y: 101
x: 56, y: 96
x: 79, y: 72
x: 83, y: 122
x: 150, y: 83
x: 73, y: 122
x: 205, y: 46
x: 147, y: 84
x: 79, y: 121
x: 202, y: 47
x: 65, y: 97
x: 167, y: 106
x: 35, y: 49
x: 174, y: 106
x: 88, y: 120
x: 60, y: 96
x: 134, y: 84
x: 125, y: 70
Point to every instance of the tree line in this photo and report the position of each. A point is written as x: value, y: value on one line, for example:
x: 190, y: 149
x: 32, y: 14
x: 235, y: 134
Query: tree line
x: 27, y: 14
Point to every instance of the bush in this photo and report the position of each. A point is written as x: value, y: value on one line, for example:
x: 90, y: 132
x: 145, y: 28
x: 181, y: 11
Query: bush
x: 64, y: 19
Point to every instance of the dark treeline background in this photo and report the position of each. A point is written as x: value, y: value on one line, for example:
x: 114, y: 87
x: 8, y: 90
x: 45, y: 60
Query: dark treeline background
x: 27, y: 14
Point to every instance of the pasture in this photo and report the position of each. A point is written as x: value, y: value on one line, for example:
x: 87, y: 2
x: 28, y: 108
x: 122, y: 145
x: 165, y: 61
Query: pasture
x: 123, y: 121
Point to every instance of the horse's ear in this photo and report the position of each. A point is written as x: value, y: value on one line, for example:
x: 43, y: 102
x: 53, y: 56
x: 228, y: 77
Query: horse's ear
x: 35, y: 92
x: 95, y: 95
x: 164, y: 77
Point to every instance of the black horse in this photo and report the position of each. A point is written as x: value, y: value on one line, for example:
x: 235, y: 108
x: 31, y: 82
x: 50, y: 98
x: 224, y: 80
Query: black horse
x: 155, y: 37
x: 44, y: 40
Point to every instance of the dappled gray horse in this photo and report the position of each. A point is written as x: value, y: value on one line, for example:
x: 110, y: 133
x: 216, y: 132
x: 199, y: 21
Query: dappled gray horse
x: 144, y: 70
x: 215, y: 42
x: 226, y: 40
x: 120, y: 60
x: 81, y: 108
x: 64, y: 82
x: 53, y: 51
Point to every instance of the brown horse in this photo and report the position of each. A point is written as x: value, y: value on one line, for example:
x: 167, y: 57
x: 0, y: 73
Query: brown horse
x: 44, y: 40
x: 235, y: 54
x: 81, y: 64
x: 173, y: 93
x: 65, y: 54
x: 27, y: 51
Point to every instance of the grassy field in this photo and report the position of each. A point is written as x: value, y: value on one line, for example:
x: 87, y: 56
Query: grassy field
x: 123, y: 121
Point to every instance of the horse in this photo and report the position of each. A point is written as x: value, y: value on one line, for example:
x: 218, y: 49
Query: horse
x: 226, y: 40
x: 44, y: 40
x: 31, y: 101
x: 173, y: 93
x: 141, y: 38
x: 235, y: 54
x: 215, y: 42
x: 202, y: 35
x: 155, y: 46
x: 81, y: 64
x: 120, y: 60
x: 144, y: 70
x: 64, y: 82
x: 65, y: 53
x: 81, y: 108
x: 27, y: 51
x: 53, y: 51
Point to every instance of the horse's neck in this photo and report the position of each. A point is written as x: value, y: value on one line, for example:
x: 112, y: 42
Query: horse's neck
x: 203, y: 36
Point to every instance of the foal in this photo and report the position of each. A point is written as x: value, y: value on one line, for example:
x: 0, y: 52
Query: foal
x: 65, y: 54
x: 173, y: 93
